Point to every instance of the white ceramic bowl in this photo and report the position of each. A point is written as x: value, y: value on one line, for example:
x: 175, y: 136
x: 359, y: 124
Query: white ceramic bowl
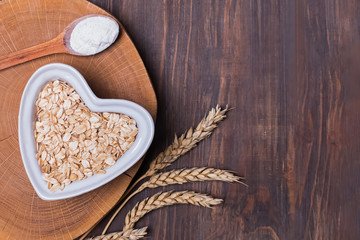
x: 67, y: 73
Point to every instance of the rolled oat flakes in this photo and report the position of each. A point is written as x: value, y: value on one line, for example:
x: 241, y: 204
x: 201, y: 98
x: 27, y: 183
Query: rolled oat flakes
x: 74, y: 143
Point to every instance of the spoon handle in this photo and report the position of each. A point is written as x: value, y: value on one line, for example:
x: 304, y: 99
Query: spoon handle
x: 52, y: 46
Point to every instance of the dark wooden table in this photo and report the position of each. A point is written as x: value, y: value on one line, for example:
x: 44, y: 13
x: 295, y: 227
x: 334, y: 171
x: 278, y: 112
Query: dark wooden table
x: 291, y: 71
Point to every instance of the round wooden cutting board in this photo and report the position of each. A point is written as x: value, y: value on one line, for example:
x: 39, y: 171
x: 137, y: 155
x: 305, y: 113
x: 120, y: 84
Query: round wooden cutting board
x: 118, y: 72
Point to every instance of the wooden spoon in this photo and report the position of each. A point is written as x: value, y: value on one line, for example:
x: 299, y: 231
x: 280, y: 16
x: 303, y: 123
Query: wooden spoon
x: 59, y: 44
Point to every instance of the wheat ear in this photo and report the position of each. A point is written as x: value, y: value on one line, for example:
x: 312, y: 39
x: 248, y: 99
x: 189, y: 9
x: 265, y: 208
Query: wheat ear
x: 189, y: 175
x: 163, y: 199
x: 130, y: 234
x: 184, y: 176
x: 180, y: 146
x: 187, y: 141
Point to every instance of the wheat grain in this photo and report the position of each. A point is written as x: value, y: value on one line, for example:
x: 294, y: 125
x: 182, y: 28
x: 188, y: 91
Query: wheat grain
x: 130, y: 234
x: 163, y: 199
x: 189, y: 175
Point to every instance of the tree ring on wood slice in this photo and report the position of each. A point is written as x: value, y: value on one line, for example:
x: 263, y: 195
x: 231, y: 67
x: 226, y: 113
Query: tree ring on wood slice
x: 118, y: 72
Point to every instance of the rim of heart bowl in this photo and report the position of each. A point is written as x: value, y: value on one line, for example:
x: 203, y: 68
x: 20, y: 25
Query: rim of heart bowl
x: 27, y: 117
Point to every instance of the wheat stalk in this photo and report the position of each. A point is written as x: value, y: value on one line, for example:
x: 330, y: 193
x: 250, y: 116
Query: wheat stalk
x: 130, y: 234
x: 163, y: 199
x: 180, y: 146
x: 188, y: 175
x: 187, y: 140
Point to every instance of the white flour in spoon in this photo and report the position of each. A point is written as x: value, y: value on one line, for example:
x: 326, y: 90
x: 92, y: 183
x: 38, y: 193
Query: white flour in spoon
x: 93, y: 35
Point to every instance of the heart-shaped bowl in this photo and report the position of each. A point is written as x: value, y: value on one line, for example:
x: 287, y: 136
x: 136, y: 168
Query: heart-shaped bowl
x: 27, y: 119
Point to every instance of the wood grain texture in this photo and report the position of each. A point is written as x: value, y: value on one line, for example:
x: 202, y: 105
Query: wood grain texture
x: 118, y: 72
x: 290, y: 69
